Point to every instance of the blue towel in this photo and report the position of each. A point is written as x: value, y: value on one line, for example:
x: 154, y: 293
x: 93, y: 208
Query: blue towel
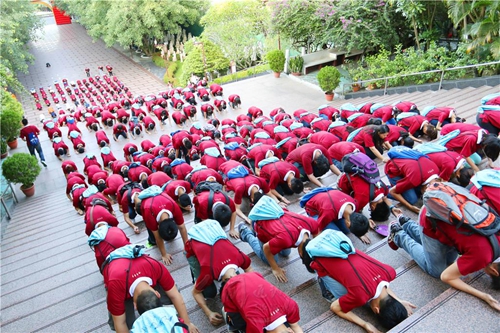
x: 266, y: 209
x: 330, y: 244
x: 208, y: 232
x: 262, y: 135
x: 254, y: 145
x: 212, y: 151
x: 488, y: 97
x: 281, y: 129
x: 376, y: 106
x: 337, y: 123
x: 312, y: 193
x: 353, y: 134
x: 487, y: 177
x: 157, y: 320
x: 348, y: 107
x: 151, y: 191
x: 231, y: 146
x: 177, y: 161
x: 282, y: 142
x: 448, y: 137
x: 74, y: 134
x: 427, y: 109
x: 404, y: 115
x: 129, y: 251
x: 90, y: 191
x: 483, y: 108
x: 268, y: 160
x: 98, y: 235
x: 105, y: 150
x: 354, y: 116
x: 296, y: 125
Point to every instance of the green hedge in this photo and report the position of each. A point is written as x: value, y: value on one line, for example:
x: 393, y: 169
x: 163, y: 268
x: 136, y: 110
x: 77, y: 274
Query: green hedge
x: 158, y: 60
x: 242, y: 74
x: 173, y: 72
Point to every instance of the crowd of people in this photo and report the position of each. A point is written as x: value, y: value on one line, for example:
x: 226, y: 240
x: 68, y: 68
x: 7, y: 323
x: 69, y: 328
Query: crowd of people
x: 263, y: 159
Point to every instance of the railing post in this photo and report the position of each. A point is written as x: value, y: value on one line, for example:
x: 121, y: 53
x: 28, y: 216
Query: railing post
x: 441, y: 81
x: 385, y: 87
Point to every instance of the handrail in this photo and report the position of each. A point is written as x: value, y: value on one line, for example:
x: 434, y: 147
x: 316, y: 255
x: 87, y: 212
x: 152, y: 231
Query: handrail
x: 387, y: 78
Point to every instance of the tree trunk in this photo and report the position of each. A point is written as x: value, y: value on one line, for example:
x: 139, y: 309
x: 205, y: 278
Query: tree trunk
x: 415, y: 31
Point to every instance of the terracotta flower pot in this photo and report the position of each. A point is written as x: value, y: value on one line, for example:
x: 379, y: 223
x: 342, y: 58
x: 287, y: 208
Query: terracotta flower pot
x: 4, y: 155
x: 296, y: 73
x: 329, y: 97
x: 29, y: 191
x: 372, y: 86
x: 12, y: 144
x: 277, y: 74
x: 355, y: 87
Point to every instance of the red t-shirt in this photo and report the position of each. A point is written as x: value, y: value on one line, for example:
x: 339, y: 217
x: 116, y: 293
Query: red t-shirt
x: 302, y: 132
x: 26, y: 130
x: 68, y: 166
x: 181, y: 170
x: 414, y: 172
x: 135, y: 173
x: 320, y: 125
x: 98, y: 176
x: 413, y: 123
x: 325, y: 139
x: 284, y: 232
x: 360, y: 121
x: 97, y: 214
x: 229, y: 165
x: 241, y: 186
x: 476, y: 251
x: 258, y: 153
x: 115, y: 238
x: 178, y: 118
x: 124, y: 200
x: 179, y: 136
x: 342, y: 148
x: 203, y: 174
x: 385, y: 113
x: 395, y: 133
x: 101, y: 136
x: 126, y: 149
x: 75, y: 179
x: 446, y: 161
x: 147, y: 145
x: 212, y: 162
x: 112, y: 183
x: 329, y: 206
x: 276, y: 172
x: 158, y: 178
x: 258, y: 301
x: 440, y: 114
x: 304, y: 156
x: 120, y: 274
x: 463, y: 127
x: 365, y: 137
x: 200, y: 202
x: 153, y: 207
x: 77, y: 141
x: 465, y: 143
x: 340, y: 132
x: 172, y: 187
x: 488, y: 193
x: 119, y: 128
x: 360, y: 274
x: 214, y: 258
x: 491, y: 117
x: 360, y: 190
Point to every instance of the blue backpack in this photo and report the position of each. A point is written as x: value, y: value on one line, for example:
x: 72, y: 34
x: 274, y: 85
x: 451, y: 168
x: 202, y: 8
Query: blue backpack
x: 403, y: 152
x: 312, y: 193
x: 404, y: 115
x: 33, y: 139
x: 237, y: 172
x: 430, y: 147
x: 330, y: 244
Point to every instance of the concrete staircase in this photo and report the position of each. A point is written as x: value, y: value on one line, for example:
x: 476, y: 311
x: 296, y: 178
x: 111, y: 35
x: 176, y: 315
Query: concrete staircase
x: 50, y: 282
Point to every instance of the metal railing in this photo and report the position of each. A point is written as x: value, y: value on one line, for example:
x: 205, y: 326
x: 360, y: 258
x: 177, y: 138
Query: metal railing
x: 442, y: 71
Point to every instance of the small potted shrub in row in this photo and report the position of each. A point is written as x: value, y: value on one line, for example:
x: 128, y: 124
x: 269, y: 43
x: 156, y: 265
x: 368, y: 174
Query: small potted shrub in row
x: 276, y: 60
x: 328, y: 79
x: 22, y: 168
x: 295, y: 65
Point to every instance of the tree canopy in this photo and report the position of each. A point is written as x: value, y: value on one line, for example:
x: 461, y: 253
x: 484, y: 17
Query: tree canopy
x: 236, y: 25
x: 194, y: 63
x: 137, y: 22
x: 17, y: 27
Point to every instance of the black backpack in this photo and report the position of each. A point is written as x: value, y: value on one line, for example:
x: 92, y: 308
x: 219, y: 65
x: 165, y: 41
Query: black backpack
x: 213, y: 187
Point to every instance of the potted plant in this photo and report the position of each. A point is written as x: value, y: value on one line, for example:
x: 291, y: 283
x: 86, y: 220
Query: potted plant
x: 295, y: 65
x: 355, y: 86
x: 22, y: 168
x: 328, y: 79
x: 276, y: 60
x: 10, y: 119
x: 3, y: 149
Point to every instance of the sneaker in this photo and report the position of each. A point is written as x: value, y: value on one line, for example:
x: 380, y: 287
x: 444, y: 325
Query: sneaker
x: 241, y: 227
x: 394, y: 228
x: 149, y: 245
x: 327, y: 295
x: 403, y: 219
x: 44, y: 164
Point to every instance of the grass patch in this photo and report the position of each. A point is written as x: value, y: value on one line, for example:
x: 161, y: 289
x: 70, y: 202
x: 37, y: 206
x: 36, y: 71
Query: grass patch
x: 173, y: 72
x: 242, y: 74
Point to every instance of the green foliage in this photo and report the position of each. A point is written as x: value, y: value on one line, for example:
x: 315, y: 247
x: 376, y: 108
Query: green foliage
x: 137, y: 22
x: 242, y: 74
x: 295, y: 64
x: 3, y: 146
x: 328, y: 78
x: 276, y: 60
x: 406, y: 61
x: 21, y: 168
x: 237, y: 26
x: 174, y: 71
x: 18, y: 26
x: 194, y: 63
x: 158, y: 60
x: 11, y: 115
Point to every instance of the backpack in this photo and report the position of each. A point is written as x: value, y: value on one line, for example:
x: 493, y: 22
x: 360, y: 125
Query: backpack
x: 353, y: 134
x: 33, y: 139
x: 163, y: 319
x: 237, y: 172
x: 362, y: 165
x: 452, y: 204
x: 403, y: 152
x: 430, y: 147
x: 213, y: 187
x: 330, y: 244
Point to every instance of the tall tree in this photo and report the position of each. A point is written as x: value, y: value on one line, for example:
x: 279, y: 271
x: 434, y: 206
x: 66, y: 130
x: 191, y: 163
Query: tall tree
x: 137, y: 22
x: 18, y: 26
x: 479, y: 21
x: 238, y: 27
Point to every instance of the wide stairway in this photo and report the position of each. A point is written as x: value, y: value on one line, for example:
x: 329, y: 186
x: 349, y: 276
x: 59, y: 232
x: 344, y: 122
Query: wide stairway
x: 50, y: 281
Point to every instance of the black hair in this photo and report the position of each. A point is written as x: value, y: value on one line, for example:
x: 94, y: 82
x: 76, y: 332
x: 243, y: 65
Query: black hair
x: 171, y: 156
x: 431, y: 132
x: 222, y: 285
x: 306, y: 258
x: 303, y: 141
x: 151, y: 126
x: 491, y: 146
x: 147, y: 300
x: 464, y: 176
x: 195, y: 157
x: 349, y: 129
x: 392, y: 312
x: 102, y: 144
x: 408, y: 142
x: 381, y: 212
x: 374, y: 121
x: 320, y: 166
x: 110, y: 123
x: 61, y: 151
x: 132, y: 150
x: 168, y: 170
x: 137, y: 130
x: 168, y: 229
x: 222, y: 213
x: 144, y: 183
x: 192, y: 112
x: 297, y: 186
x: 217, y: 134
x: 81, y: 149
x: 120, y: 127
x: 25, y: 121
x: 359, y: 224
x: 188, y: 144
x: 101, y: 186
x: 257, y: 196
x: 377, y: 130
x: 185, y: 200
x: 94, y: 127
x: 495, y: 280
